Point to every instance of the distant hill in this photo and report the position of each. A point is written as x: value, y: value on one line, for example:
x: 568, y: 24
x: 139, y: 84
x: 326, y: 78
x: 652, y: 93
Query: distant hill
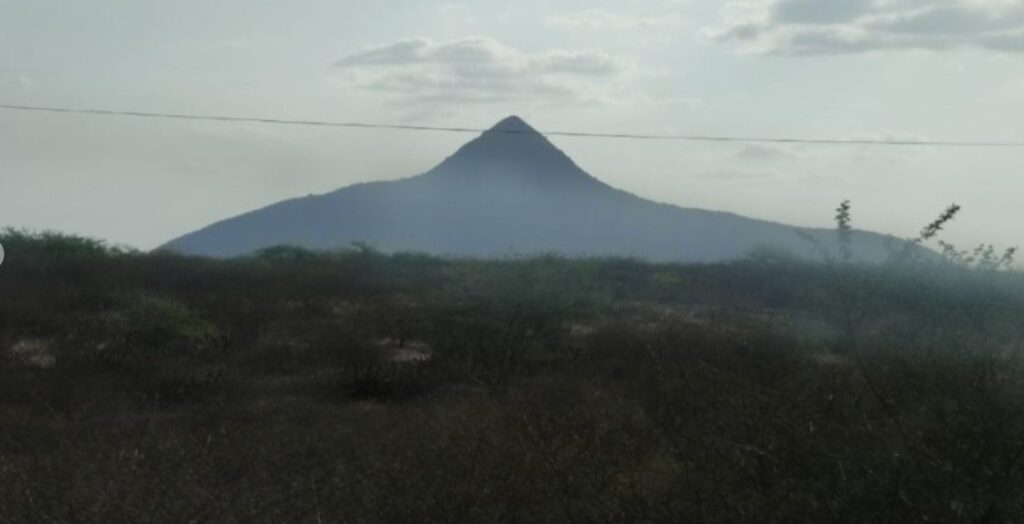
x: 507, y: 192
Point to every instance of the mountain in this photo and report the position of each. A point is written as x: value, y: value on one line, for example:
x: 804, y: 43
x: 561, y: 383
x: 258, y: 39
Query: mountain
x: 509, y: 191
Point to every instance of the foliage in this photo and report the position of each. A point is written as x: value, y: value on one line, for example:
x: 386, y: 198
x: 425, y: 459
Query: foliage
x: 267, y: 389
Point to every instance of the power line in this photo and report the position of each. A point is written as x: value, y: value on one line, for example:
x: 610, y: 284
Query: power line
x: 577, y: 134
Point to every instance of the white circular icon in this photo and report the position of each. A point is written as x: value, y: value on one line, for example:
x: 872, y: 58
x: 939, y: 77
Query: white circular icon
x: 1, y: 253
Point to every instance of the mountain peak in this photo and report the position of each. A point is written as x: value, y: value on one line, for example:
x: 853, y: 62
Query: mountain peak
x: 513, y: 150
x: 514, y: 124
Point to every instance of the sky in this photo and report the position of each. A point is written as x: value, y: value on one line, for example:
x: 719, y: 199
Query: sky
x: 942, y: 70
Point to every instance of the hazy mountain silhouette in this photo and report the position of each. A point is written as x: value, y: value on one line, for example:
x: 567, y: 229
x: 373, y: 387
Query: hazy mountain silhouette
x: 509, y: 191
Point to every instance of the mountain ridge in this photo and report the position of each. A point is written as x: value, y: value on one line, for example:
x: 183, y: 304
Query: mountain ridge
x: 509, y: 191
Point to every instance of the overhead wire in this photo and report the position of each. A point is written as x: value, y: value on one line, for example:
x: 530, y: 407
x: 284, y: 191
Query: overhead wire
x: 575, y: 134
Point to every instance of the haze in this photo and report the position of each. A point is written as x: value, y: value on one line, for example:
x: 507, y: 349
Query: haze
x: 941, y: 70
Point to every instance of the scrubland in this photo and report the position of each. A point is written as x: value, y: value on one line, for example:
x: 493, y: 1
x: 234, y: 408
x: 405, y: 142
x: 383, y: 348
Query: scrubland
x: 354, y: 386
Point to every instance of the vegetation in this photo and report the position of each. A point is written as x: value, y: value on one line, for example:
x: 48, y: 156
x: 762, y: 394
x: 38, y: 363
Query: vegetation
x: 354, y: 386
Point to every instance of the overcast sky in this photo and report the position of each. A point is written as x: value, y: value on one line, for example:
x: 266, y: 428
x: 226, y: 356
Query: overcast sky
x: 886, y: 69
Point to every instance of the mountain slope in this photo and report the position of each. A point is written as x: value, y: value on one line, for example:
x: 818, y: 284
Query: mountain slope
x: 510, y: 191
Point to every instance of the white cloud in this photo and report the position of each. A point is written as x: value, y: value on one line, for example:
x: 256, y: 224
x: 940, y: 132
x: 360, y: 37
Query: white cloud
x: 477, y: 69
x: 760, y: 153
x: 735, y: 175
x: 855, y: 26
x: 601, y: 19
x: 21, y: 80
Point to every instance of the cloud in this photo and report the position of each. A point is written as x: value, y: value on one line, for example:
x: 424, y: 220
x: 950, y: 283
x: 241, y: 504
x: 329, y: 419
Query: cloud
x: 731, y: 175
x: 804, y: 27
x: 477, y: 69
x: 818, y: 11
x: 19, y: 79
x: 762, y: 153
x: 602, y: 19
